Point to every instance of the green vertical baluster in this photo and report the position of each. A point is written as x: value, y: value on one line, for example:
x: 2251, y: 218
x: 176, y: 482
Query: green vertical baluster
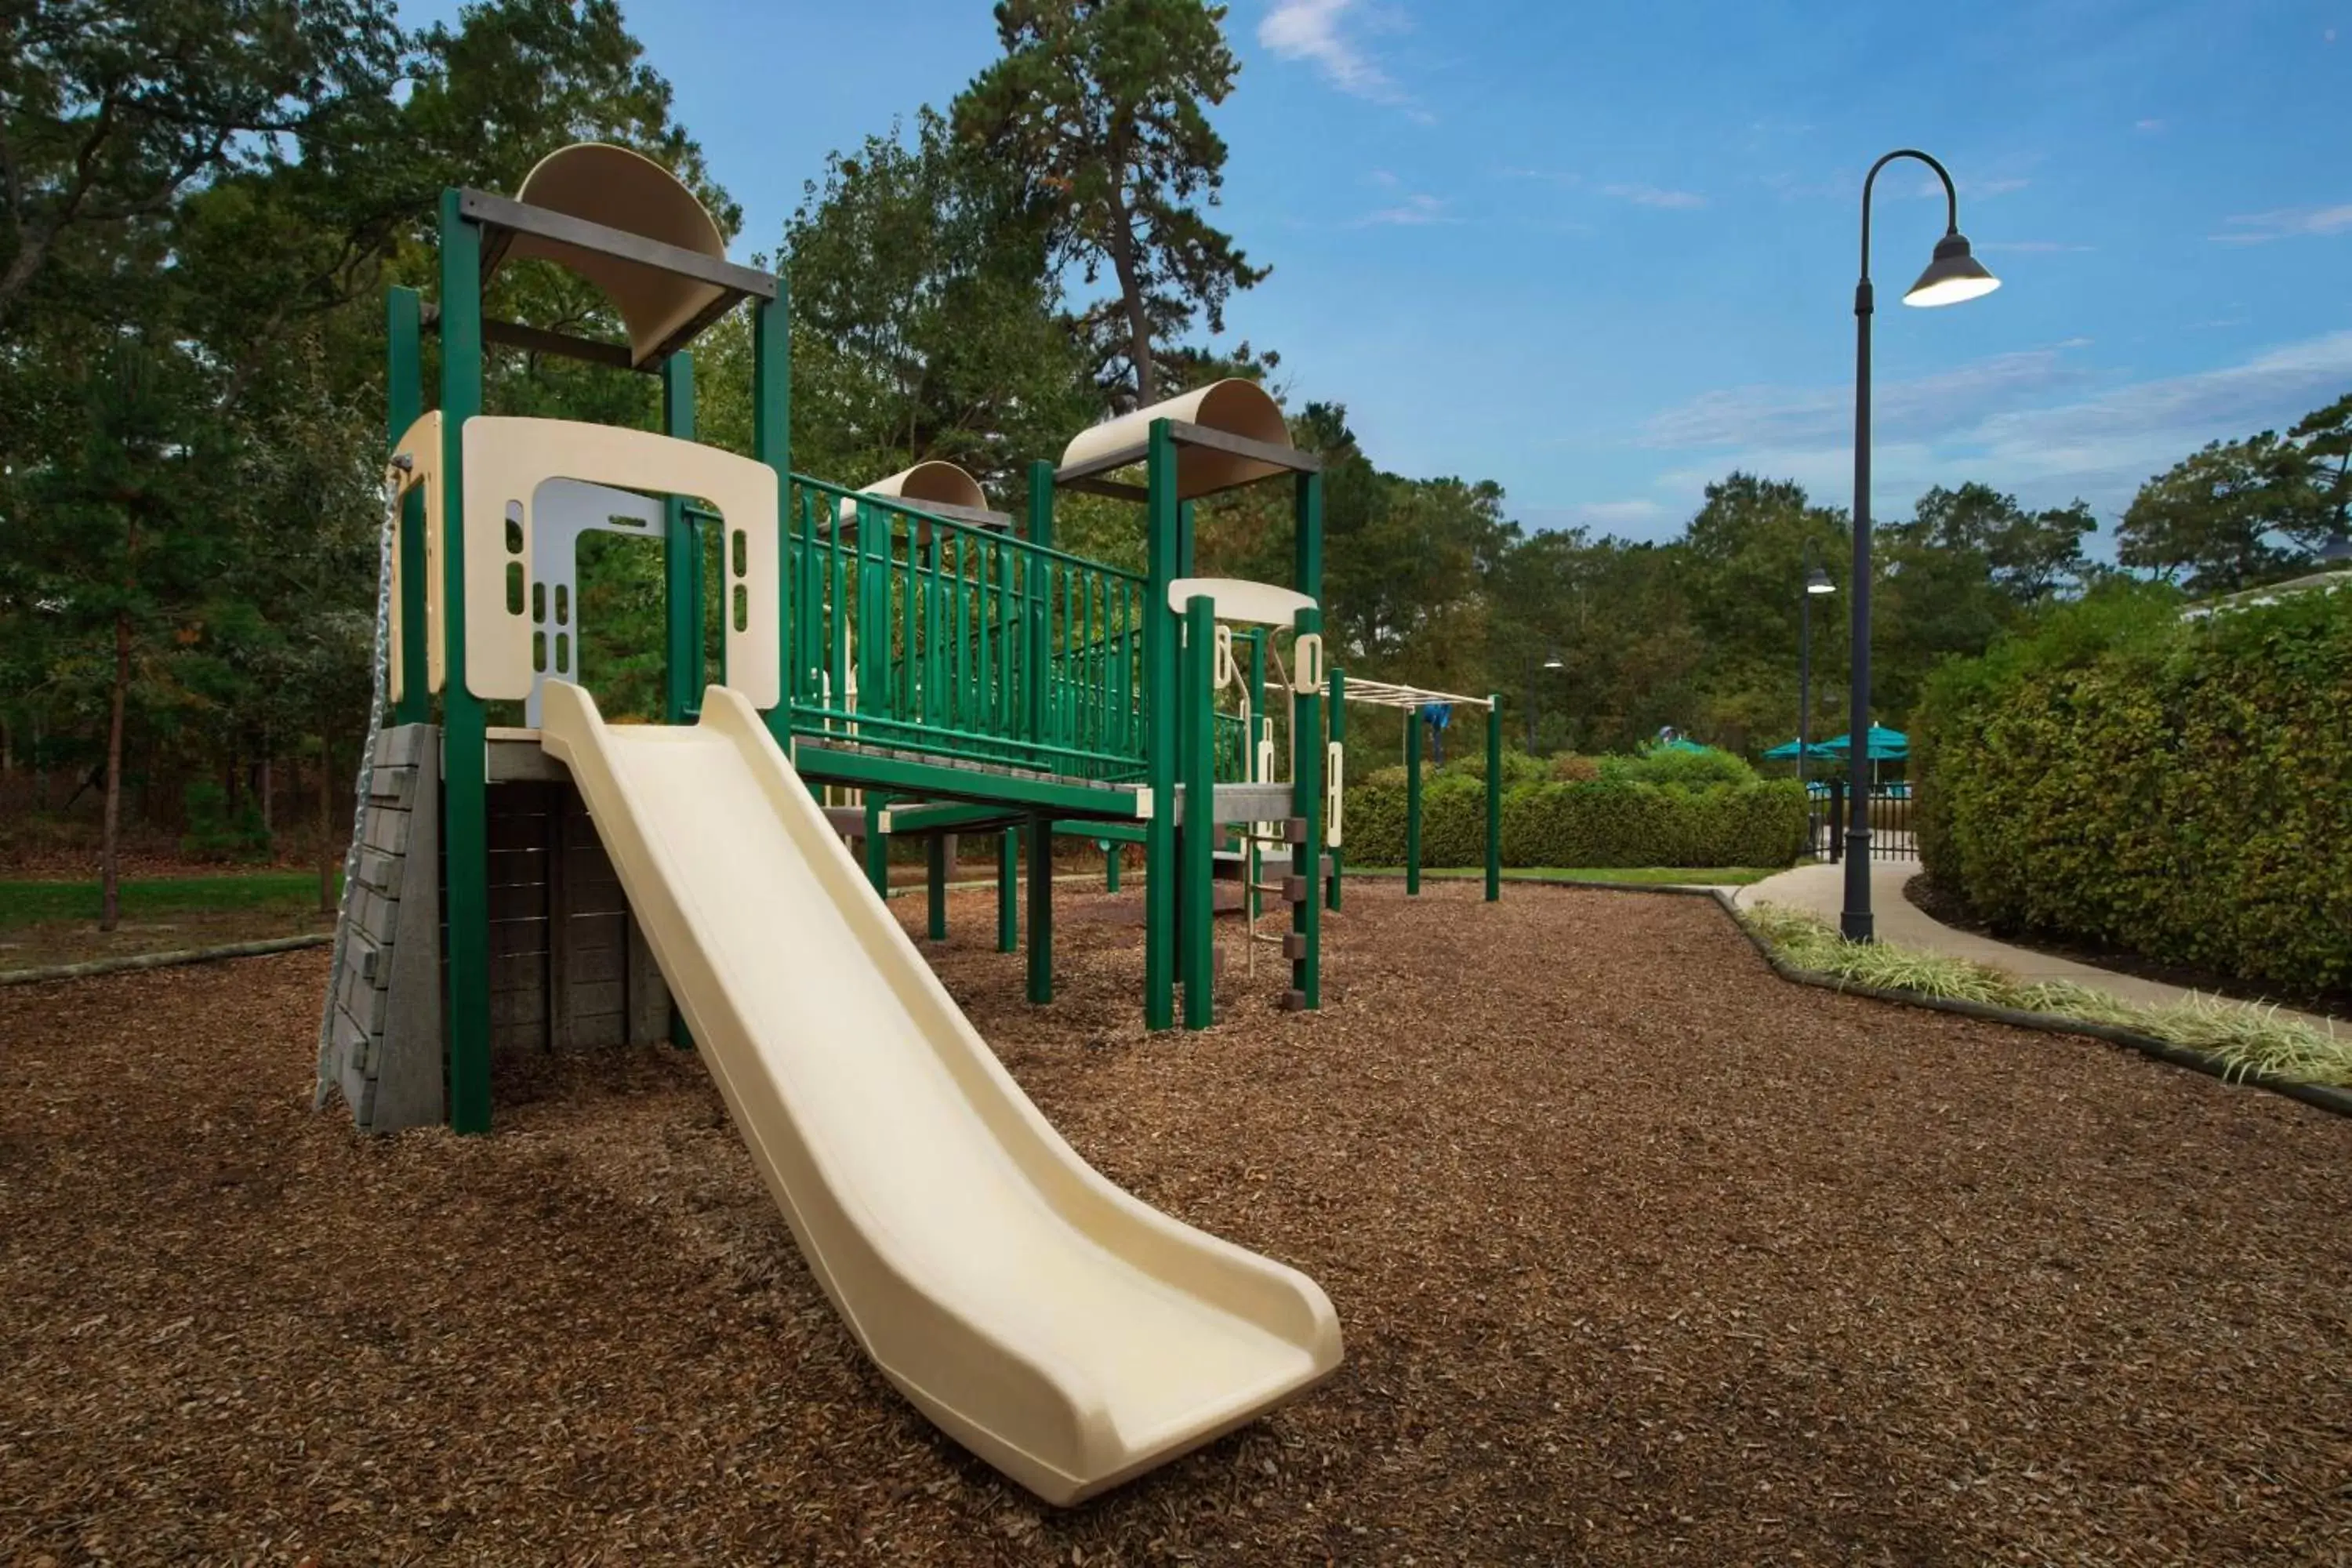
x: 1412, y: 800
x: 1160, y: 742
x: 1335, y: 721
x: 1008, y: 905
x: 465, y: 784
x: 1494, y: 796
x: 771, y: 425
x: 877, y: 843
x: 935, y: 879
x: 1307, y: 781
x: 1253, y: 867
x: 1041, y: 908
x: 683, y: 610
x: 404, y: 404
x: 1198, y: 947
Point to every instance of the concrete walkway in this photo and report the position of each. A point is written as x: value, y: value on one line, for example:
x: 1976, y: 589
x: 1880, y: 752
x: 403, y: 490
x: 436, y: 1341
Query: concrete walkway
x: 1820, y: 889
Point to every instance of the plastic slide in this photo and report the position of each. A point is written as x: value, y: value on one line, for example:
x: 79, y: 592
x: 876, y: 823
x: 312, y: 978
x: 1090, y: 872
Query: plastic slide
x: 1064, y: 1331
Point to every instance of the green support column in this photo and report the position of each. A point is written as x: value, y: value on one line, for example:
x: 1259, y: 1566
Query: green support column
x: 878, y: 845
x: 771, y: 425
x: 1159, y: 706
x: 404, y: 403
x: 935, y: 881
x: 1111, y: 855
x: 1252, y: 852
x: 1041, y: 908
x: 1197, y: 946
x: 1008, y: 904
x: 1412, y: 800
x: 683, y: 610
x: 1494, y: 796
x: 1306, y: 784
x: 1184, y: 540
x: 1335, y: 721
x: 1306, y: 536
x: 465, y: 786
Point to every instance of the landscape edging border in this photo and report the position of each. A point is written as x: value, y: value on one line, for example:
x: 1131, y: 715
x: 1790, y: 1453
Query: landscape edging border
x: 2323, y: 1097
x: 99, y: 966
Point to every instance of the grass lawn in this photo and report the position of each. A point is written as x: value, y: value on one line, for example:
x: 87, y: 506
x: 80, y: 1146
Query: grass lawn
x: 1633, y: 876
x: 45, y: 922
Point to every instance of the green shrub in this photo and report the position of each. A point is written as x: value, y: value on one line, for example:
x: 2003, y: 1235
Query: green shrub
x: 2180, y: 789
x: 1690, y: 770
x: 1598, y: 821
x: 1571, y: 768
x: 1519, y: 768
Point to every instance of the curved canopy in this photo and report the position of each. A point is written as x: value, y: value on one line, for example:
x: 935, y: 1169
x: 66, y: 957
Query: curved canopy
x: 628, y: 191
x: 1234, y: 406
x: 930, y: 480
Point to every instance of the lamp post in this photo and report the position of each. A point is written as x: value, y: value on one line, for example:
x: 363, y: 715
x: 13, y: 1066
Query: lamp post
x: 2335, y: 550
x: 1817, y: 582
x: 1952, y: 276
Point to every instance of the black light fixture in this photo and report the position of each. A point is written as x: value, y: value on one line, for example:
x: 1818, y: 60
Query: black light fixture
x: 1552, y: 659
x: 1817, y: 583
x: 1952, y: 276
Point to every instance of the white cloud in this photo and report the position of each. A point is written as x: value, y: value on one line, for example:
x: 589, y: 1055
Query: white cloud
x: 1415, y: 210
x: 2029, y: 422
x: 1603, y: 516
x: 1318, y: 31
x: 2148, y: 127
x: 1652, y: 196
x: 2286, y: 223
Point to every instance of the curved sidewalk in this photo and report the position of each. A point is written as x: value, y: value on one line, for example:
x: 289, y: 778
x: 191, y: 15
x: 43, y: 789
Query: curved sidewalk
x: 1820, y: 889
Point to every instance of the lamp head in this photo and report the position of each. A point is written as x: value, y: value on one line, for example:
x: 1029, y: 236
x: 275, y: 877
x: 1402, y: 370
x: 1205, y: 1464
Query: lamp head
x: 1953, y: 276
x: 1552, y: 661
x: 1818, y: 582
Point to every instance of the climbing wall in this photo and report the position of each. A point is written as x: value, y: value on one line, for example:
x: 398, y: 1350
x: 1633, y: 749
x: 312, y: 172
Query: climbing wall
x: 385, y: 1045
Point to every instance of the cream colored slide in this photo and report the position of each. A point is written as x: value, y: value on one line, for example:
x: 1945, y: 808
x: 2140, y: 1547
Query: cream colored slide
x: 1064, y: 1331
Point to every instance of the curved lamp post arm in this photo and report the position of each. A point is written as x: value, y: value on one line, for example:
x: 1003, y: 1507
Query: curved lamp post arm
x: 1951, y: 198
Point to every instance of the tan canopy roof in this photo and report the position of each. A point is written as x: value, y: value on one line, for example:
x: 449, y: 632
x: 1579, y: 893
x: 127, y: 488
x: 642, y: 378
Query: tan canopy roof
x: 628, y: 191
x: 1235, y: 407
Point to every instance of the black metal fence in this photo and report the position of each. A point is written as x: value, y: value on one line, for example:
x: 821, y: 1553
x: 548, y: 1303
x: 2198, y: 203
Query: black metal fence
x: 1892, y: 837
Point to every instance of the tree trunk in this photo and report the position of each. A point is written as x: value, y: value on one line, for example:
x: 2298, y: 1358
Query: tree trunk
x: 109, y: 866
x: 1130, y: 297
x: 268, y: 812
x: 325, y: 828
x: 40, y: 768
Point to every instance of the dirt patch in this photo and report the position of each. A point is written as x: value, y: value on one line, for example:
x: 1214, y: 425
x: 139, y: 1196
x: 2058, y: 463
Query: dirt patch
x: 1641, y: 1255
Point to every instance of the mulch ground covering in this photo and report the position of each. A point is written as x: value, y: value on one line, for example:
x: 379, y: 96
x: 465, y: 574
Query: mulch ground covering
x: 1642, y: 1256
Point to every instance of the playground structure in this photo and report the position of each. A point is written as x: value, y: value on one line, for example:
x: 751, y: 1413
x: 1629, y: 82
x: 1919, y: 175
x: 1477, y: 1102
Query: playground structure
x: 570, y: 881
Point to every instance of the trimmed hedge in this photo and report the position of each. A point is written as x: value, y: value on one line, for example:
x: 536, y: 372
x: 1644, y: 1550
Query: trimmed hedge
x: 2179, y: 789
x: 1599, y: 823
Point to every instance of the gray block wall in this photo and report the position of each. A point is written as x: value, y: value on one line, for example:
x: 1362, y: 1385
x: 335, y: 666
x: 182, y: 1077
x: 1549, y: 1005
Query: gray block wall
x: 386, y: 1048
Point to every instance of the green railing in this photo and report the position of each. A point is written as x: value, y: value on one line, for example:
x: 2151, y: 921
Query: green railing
x: 916, y: 633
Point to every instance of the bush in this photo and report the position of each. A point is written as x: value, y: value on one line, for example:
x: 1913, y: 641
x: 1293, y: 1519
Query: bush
x: 1597, y: 822
x: 2180, y: 789
x: 1570, y: 768
x: 1689, y: 769
x: 1519, y: 768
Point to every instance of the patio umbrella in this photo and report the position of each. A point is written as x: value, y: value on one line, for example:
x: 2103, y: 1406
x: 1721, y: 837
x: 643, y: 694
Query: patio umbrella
x: 1886, y: 745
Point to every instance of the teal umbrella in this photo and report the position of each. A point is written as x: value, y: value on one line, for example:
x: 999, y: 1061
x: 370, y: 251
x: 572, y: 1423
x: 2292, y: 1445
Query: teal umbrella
x: 1679, y: 744
x: 1885, y: 746
x: 1787, y: 752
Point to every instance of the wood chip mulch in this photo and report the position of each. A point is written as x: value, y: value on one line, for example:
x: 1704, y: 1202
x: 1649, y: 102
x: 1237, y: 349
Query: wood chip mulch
x: 1642, y: 1256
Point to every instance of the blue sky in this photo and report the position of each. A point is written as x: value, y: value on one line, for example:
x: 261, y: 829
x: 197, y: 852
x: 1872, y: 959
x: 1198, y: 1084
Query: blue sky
x: 1602, y: 254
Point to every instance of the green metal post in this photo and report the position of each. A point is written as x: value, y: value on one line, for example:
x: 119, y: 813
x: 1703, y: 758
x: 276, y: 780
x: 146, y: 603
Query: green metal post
x: 1494, y: 796
x: 935, y: 879
x: 772, y: 426
x: 1412, y: 800
x: 404, y: 403
x: 1186, y: 552
x: 1252, y: 852
x: 683, y: 609
x: 1008, y: 905
x: 1336, y: 721
x: 1197, y: 945
x: 1307, y: 782
x: 1041, y: 908
x: 465, y: 786
x: 1039, y: 615
x: 1112, y: 854
x: 1159, y: 733
x: 878, y: 845
x: 1307, y: 536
